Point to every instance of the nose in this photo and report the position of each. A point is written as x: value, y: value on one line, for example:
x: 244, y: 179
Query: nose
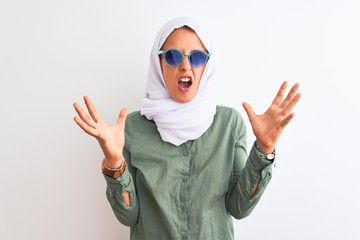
x: 185, y: 64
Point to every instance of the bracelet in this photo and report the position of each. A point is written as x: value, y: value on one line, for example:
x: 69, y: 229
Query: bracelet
x: 259, y: 149
x: 262, y: 153
x: 114, y: 169
x: 113, y: 172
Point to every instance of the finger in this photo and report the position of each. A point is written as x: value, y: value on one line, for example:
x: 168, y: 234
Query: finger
x: 290, y: 95
x: 84, y: 117
x: 280, y: 94
x: 89, y: 130
x: 122, y: 118
x: 249, y: 110
x: 286, y: 120
x: 93, y: 113
x: 288, y: 108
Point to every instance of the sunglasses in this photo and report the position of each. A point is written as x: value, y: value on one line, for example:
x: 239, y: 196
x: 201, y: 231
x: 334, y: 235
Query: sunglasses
x: 174, y: 57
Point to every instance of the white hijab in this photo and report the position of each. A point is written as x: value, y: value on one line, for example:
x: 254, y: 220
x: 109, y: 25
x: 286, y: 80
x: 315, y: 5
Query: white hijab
x: 179, y: 122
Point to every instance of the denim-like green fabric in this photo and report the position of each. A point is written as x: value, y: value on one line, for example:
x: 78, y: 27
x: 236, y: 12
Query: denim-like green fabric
x: 192, y: 191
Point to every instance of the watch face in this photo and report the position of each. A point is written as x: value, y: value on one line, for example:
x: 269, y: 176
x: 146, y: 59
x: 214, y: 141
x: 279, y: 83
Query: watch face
x: 270, y: 156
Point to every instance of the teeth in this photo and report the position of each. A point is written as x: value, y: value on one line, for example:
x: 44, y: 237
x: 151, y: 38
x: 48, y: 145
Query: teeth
x: 185, y: 79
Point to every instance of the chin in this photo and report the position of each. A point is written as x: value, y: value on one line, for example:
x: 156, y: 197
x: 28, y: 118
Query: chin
x: 184, y: 100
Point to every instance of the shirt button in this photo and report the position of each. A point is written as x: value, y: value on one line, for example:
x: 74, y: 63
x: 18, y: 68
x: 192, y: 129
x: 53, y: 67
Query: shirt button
x: 185, y: 154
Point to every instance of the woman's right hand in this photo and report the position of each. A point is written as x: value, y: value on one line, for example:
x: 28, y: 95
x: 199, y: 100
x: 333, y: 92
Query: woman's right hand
x: 110, y: 138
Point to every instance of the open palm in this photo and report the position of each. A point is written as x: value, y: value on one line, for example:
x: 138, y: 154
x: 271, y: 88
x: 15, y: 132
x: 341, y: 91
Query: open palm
x: 110, y: 138
x: 267, y: 127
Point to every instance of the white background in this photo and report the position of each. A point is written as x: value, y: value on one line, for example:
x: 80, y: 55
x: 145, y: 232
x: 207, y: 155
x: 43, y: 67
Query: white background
x: 54, y: 52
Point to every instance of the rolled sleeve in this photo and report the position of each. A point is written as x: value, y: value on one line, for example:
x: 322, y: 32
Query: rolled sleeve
x: 257, y: 172
x: 115, y: 187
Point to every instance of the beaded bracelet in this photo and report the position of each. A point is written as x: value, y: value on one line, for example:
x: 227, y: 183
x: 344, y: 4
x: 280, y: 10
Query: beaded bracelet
x: 115, y: 169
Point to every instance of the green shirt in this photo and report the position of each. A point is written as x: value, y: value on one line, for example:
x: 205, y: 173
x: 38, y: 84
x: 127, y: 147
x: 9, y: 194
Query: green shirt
x: 191, y: 191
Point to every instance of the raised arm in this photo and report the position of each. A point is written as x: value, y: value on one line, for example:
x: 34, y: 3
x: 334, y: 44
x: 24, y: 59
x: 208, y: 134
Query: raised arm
x: 121, y: 191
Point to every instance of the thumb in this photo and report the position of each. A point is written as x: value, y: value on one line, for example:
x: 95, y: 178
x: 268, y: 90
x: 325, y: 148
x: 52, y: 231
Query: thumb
x: 122, y: 118
x: 249, y: 110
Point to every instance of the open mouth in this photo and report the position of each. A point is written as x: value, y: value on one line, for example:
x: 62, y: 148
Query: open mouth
x: 184, y: 83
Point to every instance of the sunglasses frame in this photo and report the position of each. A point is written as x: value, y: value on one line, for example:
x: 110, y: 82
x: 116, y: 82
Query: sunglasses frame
x: 163, y: 52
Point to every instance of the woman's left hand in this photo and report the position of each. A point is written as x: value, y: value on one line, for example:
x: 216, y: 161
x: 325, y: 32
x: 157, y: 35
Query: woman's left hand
x: 268, y: 126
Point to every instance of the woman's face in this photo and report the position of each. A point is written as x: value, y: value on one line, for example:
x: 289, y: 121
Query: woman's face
x: 177, y: 78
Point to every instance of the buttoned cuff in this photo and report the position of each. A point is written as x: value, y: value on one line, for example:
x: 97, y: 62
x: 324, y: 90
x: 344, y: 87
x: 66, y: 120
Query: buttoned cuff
x: 121, y: 183
x: 257, y: 162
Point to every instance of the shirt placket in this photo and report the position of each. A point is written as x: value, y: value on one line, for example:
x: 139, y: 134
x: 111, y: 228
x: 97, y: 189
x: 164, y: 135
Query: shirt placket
x: 184, y: 194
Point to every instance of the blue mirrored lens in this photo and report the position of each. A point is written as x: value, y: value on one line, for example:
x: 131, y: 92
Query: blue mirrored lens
x: 173, y: 57
x: 197, y: 58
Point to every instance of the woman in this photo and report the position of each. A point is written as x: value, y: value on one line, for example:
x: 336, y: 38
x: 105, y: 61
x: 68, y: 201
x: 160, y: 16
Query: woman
x: 178, y: 168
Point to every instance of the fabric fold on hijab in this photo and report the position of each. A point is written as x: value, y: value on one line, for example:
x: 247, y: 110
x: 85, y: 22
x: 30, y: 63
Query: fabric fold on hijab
x: 179, y: 122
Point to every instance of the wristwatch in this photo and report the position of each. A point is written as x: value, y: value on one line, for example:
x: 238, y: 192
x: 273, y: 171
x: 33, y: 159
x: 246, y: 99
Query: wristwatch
x: 263, y: 155
x: 270, y: 156
x: 113, y: 172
